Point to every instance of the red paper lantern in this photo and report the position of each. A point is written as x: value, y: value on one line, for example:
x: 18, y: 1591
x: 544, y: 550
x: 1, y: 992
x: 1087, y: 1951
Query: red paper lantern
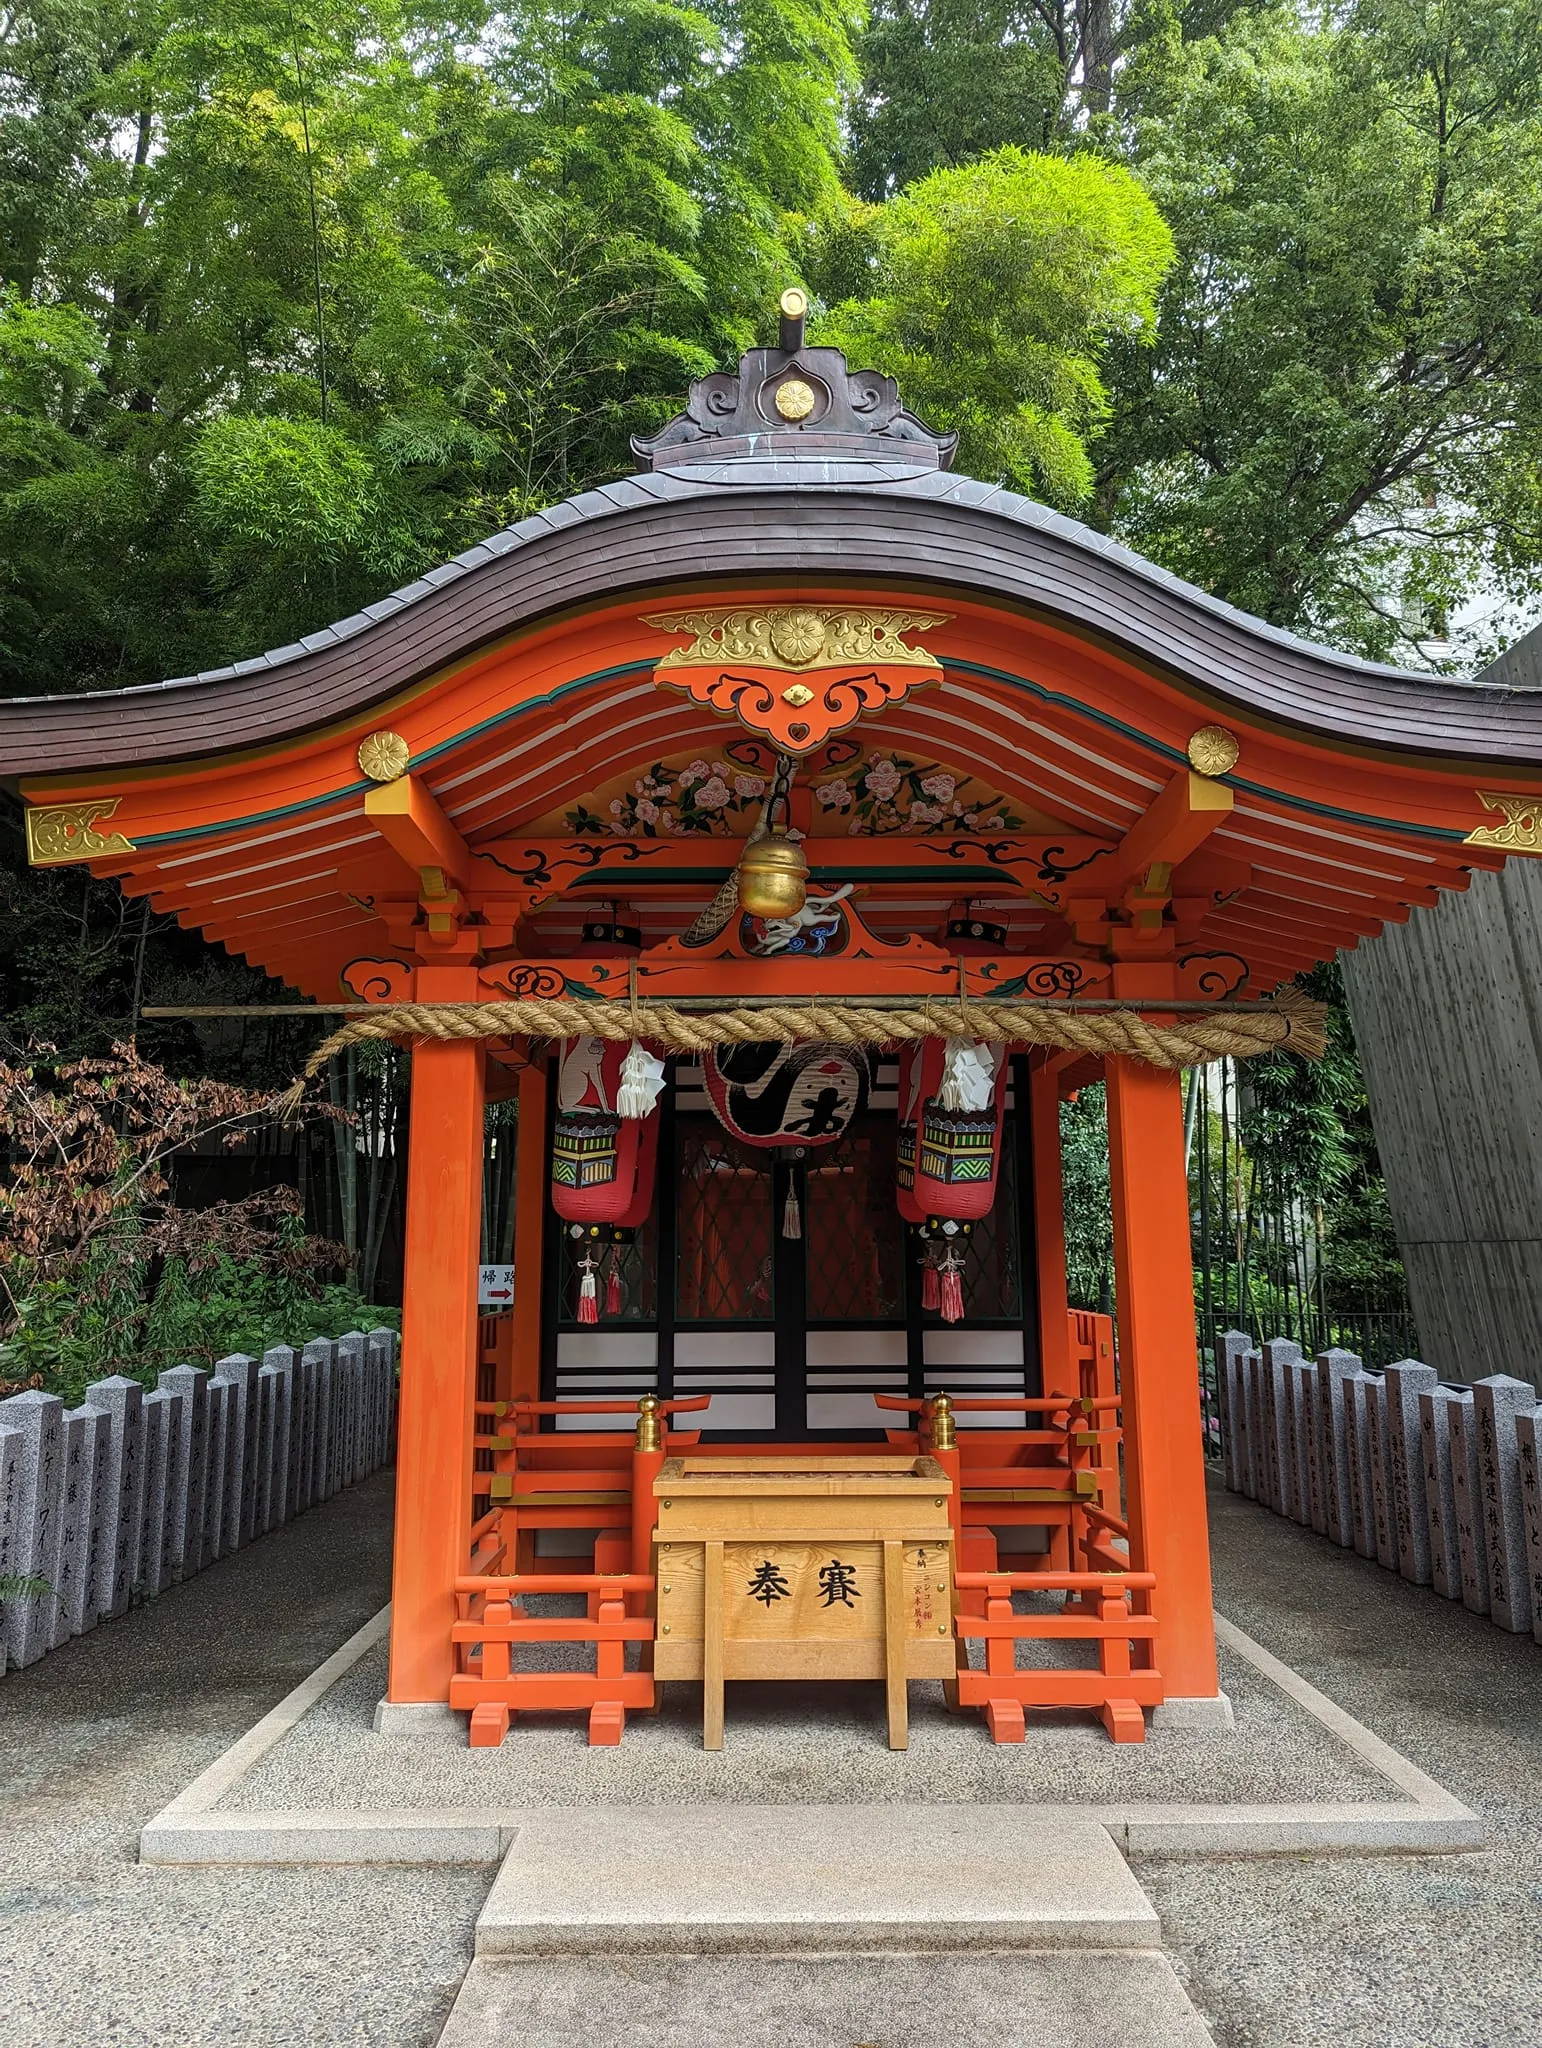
x: 602, y: 1164
x: 947, y: 1161
x: 771, y: 1094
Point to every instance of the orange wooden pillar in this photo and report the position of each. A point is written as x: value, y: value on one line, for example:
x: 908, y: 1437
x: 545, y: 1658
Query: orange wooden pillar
x: 1159, y: 1371
x: 530, y: 1170
x: 1059, y: 1374
x: 439, y: 1351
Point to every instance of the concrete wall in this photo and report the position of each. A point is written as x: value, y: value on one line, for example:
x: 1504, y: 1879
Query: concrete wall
x: 1447, y: 1012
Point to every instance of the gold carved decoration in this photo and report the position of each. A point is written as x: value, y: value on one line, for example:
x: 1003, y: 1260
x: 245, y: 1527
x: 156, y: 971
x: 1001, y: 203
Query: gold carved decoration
x: 796, y: 636
x: 794, y: 399
x: 60, y: 833
x: 1521, y: 828
x: 1213, y: 750
x: 740, y: 657
x: 384, y: 756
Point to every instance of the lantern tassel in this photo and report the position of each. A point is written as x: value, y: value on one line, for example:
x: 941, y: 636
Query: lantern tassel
x: 792, y: 1218
x: 613, y: 1286
x: 588, y: 1293
x: 931, y: 1294
x: 951, y: 1290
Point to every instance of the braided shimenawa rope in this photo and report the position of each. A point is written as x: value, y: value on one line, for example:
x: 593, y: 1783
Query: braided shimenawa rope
x: 1289, y: 1021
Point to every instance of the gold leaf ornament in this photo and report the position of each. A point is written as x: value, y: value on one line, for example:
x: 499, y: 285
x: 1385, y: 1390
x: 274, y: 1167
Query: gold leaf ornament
x: 58, y: 834
x: 383, y: 756
x: 758, y: 635
x: 1520, y: 826
x: 794, y: 399
x: 1213, y: 750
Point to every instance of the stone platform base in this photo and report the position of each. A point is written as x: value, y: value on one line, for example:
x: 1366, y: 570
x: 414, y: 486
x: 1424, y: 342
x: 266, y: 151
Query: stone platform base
x: 817, y: 1927
x: 1028, y: 1999
x: 314, y: 1782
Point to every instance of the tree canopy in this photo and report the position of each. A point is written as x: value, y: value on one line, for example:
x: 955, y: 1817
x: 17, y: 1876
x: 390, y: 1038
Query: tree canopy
x: 296, y: 300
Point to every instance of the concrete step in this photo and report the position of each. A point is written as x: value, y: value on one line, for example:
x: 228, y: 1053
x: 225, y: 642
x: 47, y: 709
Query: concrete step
x: 1046, y: 1998
x: 779, y: 1880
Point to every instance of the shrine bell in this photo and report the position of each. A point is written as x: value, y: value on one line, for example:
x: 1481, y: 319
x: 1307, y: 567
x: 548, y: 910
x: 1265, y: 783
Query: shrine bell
x: 773, y: 876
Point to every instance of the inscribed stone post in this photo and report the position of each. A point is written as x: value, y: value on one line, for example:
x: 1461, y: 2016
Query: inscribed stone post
x: 1374, y: 1397
x: 1439, y: 1499
x: 1333, y: 1369
x: 121, y: 1400
x: 1279, y: 1353
x: 241, y: 1449
x: 351, y: 1348
x: 184, y: 1508
x: 1466, y: 1493
x: 266, y: 1396
x: 326, y: 1394
x: 84, y: 1596
x: 1360, y: 1521
x: 1256, y: 1461
x: 1290, y: 1448
x: 1231, y: 1354
x: 304, y: 1445
x: 1222, y: 1352
x: 1269, y: 1449
x: 1303, y: 1375
x: 221, y: 1393
x: 312, y: 1393
x: 161, y: 1411
x: 40, y: 1420
x: 382, y: 1360
x: 71, y: 1533
x: 1497, y: 1402
x: 1406, y: 1381
x: 1530, y: 1474
x: 280, y: 1360
x: 10, y: 1486
x: 392, y: 1391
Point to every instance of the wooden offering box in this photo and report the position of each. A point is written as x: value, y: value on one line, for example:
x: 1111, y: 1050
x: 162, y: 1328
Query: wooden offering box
x: 804, y: 1567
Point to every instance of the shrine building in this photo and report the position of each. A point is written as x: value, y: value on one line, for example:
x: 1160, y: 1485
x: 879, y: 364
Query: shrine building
x: 792, y: 826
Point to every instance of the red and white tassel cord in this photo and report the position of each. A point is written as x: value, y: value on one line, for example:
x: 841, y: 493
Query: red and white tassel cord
x: 588, y: 1293
x: 931, y: 1295
x: 613, y: 1285
x: 952, y: 1289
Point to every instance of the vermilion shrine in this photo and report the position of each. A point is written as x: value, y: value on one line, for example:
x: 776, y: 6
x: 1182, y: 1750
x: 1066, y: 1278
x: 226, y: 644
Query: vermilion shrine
x: 792, y: 826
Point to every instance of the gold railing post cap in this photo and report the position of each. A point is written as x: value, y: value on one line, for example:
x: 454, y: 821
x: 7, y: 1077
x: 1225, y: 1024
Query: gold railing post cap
x: 794, y: 302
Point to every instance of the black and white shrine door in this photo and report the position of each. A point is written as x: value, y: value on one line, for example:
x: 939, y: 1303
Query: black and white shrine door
x: 791, y: 1336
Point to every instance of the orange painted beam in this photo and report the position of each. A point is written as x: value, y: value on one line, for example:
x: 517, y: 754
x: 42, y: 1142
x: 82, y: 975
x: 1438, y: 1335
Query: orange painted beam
x: 410, y: 821
x: 1049, y: 1228
x: 1177, y: 824
x: 529, y: 1231
x: 439, y: 1349
x: 1159, y: 1367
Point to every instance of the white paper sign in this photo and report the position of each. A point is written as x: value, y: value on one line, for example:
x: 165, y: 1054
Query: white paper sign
x: 495, y: 1286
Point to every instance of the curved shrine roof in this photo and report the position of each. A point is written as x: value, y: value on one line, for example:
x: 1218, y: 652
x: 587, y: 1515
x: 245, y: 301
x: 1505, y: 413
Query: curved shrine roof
x: 781, y: 517
x: 1046, y: 766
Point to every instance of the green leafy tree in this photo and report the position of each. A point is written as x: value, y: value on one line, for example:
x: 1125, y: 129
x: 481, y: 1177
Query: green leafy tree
x: 1338, y: 427
x: 994, y: 291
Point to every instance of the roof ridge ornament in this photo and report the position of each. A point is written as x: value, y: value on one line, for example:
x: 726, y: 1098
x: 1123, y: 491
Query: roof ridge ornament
x: 795, y: 402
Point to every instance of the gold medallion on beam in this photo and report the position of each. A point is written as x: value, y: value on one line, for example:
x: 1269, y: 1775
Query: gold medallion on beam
x: 384, y: 756
x: 1213, y: 750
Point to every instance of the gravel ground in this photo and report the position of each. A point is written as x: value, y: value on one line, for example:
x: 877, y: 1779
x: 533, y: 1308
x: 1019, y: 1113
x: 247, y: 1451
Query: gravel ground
x: 97, y: 1737
x: 1374, y: 1952
x: 786, y: 1744
x: 1281, y: 1952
